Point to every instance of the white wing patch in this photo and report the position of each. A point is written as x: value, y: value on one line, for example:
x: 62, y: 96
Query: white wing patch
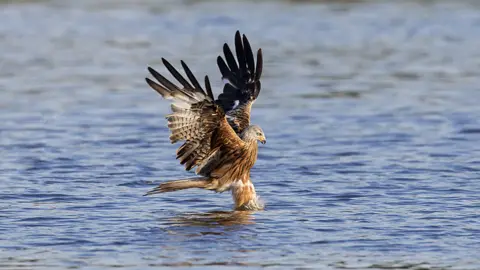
x: 235, y: 104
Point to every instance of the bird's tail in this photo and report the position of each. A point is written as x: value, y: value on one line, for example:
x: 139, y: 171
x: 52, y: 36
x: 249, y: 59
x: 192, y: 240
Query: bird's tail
x: 174, y: 185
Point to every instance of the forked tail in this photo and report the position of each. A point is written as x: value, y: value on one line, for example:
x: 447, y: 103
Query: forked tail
x: 174, y: 185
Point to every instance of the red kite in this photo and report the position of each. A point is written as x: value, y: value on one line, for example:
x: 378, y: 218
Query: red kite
x: 218, y: 138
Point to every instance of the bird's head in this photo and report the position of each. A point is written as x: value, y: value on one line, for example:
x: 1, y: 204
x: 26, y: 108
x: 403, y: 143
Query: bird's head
x: 255, y: 132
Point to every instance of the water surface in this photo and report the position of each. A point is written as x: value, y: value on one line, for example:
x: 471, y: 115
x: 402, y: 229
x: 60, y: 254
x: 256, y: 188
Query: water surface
x: 370, y: 110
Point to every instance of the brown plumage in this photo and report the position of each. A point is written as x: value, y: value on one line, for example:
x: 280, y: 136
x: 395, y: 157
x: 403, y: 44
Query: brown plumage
x: 218, y: 138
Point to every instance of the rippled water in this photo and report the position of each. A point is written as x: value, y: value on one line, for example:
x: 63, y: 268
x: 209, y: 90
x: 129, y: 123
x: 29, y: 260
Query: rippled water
x: 370, y: 110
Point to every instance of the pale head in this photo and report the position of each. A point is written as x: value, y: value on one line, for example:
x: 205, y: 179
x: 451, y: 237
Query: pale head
x: 254, y: 133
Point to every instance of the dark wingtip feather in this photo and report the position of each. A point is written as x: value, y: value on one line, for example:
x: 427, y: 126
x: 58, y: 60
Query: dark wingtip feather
x: 151, y: 70
x: 222, y: 66
x: 162, y: 80
x: 176, y: 74
x: 248, y: 55
x: 258, y: 86
x: 208, y: 87
x: 160, y: 89
x: 259, y: 67
x: 226, y: 72
x: 242, y: 65
x: 243, y: 83
x: 191, y: 77
x: 232, y: 64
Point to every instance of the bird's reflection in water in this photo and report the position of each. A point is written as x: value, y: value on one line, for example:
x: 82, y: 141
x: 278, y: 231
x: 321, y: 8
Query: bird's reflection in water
x: 214, y: 218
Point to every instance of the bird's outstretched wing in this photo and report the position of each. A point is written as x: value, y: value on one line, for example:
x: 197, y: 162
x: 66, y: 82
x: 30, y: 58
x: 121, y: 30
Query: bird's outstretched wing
x: 210, y: 142
x: 243, y: 84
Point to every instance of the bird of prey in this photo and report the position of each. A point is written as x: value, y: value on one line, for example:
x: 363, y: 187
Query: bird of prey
x: 218, y: 138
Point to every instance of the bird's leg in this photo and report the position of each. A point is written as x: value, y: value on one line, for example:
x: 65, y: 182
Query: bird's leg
x: 244, y: 196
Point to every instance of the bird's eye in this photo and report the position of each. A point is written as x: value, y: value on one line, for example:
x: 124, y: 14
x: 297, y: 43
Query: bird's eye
x: 259, y: 134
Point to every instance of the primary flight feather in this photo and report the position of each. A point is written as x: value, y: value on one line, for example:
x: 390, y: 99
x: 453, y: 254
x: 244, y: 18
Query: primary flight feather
x: 218, y: 138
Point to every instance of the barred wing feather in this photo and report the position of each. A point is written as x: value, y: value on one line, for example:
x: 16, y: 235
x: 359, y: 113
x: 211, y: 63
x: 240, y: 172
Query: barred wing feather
x: 197, y: 120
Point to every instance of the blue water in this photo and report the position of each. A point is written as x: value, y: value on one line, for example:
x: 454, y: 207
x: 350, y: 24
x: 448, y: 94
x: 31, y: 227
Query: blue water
x: 370, y: 110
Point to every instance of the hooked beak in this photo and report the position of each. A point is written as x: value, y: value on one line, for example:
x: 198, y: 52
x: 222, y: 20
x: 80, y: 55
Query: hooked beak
x: 264, y: 141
